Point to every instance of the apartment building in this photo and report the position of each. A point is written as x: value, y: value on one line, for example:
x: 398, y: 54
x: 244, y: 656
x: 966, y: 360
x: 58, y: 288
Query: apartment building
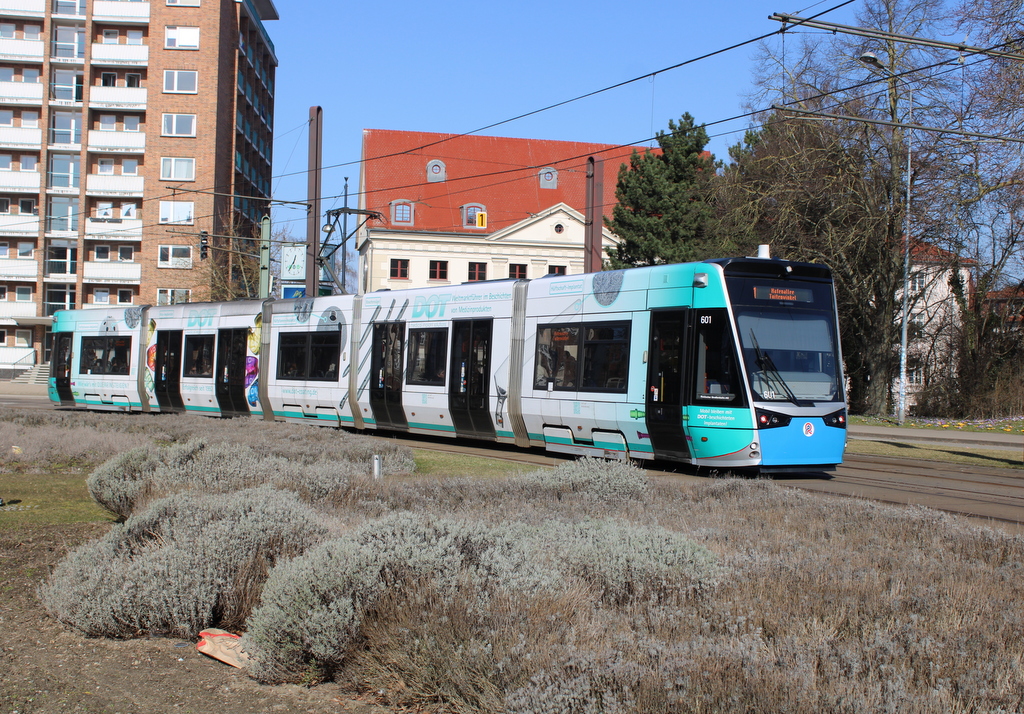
x: 126, y: 129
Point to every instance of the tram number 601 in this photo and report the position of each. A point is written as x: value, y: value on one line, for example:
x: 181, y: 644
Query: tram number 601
x: 705, y: 319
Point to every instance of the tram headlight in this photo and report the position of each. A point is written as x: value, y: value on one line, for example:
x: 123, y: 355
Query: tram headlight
x: 836, y: 419
x: 771, y: 420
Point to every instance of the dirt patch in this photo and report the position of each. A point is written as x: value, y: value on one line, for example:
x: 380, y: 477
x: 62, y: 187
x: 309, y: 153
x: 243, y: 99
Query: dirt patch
x: 48, y: 667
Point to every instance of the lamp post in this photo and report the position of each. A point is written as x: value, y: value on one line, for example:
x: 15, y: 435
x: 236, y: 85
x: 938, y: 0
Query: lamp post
x: 871, y: 60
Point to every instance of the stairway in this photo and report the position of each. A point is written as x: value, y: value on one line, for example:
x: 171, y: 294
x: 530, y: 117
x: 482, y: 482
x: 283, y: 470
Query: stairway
x: 40, y: 374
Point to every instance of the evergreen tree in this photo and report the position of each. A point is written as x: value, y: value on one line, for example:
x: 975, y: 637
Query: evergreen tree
x: 664, y: 201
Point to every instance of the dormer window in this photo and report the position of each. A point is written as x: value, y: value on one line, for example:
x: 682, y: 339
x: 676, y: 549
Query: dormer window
x: 402, y: 213
x: 436, y: 171
x: 471, y: 215
x: 548, y: 177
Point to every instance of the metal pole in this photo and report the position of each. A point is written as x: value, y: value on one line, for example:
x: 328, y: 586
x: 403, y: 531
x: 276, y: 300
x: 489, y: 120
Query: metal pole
x: 265, y: 258
x: 901, y: 410
x: 344, y: 245
x: 313, y: 191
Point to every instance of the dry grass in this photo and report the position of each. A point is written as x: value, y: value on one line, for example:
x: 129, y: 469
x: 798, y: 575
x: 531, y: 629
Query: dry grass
x: 815, y: 603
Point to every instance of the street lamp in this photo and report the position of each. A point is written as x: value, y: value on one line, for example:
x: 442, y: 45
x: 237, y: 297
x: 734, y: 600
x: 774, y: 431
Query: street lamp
x: 871, y: 60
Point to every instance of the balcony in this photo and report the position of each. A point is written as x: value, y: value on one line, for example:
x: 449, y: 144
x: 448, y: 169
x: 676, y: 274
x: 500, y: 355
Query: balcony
x: 104, y: 185
x: 19, y: 182
x: 123, y: 13
x: 112, y: 272
x: 12, y: 308
x: 16, y: 137
x: 117, y: 97
x: 66, y: 139
x: 23, y: 8
x: 60, y: 271
x: 19, y: 226
x: 30, y: 93
x: 11, y: 269
x: 119, y: 229
x: 120, y: 55
x: 21, y: 50
x: 120, y: 142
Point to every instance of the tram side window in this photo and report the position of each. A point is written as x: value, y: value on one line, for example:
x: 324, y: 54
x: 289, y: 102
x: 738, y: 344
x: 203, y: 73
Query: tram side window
x: 199, y: 355
x: 427, y: 356
x: 312, y: 356
x: 717, y: 374
x: 557, y: 356
x: 605, y: 357
x: 105, y: 355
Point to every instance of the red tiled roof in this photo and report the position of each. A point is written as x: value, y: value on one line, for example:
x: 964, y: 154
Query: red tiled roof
x: 499, y: 173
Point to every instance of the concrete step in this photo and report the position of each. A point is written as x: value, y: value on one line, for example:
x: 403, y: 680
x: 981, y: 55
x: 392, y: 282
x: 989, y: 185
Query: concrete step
x: 39, y: 374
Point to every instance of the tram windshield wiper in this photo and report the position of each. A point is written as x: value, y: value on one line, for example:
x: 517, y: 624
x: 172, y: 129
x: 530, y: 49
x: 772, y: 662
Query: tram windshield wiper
x: 770, y: 373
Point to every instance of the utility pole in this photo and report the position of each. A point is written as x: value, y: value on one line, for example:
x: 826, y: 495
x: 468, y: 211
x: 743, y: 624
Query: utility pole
x: 265, y: 258
x: 313, y: 192
x: 344, y: 245
x: 592, y: 239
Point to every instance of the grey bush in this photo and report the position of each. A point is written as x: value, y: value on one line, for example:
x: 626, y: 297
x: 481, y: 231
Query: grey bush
x: 173, y: 569
x: 598, y: 479
x: 120, y: 483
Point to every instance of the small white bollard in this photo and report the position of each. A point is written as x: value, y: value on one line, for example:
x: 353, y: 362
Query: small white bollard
x: 376, y: 466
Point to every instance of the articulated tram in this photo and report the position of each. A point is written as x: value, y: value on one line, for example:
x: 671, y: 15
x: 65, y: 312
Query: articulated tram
x: 731, y: 363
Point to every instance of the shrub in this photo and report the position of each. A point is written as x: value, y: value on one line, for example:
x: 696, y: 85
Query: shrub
x: 174, y: 568
x: 120, y: 483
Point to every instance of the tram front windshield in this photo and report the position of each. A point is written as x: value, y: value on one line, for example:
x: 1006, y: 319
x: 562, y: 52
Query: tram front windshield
x: 787, y: 332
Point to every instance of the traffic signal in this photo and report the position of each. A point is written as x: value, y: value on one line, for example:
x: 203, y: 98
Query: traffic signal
x: 204, y: 245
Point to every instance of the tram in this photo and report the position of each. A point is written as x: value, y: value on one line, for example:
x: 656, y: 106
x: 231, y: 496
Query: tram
x: 730, y: 363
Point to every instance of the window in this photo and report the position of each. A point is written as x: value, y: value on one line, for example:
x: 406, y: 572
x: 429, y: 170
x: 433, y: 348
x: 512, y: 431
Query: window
x: 548, y: 177
x: 104, y: 209
x: 23, y: 338
x: 517, y: 271
x: 134, y: 38
x: 400, y: 268
x: 5, y: 162
x: 6, y: 117
x: 30, y: 75
x: 125, y: 297
x: 131, y: 122
x: 105, y: 167
x: 23, y: 293
x: 108, y: 79
x: 918, y: 281
x: 102, y: 252
x: 179, y: 125
x: 180, y: 81
x: 592, y: 357
x: 129, y: 167
x: 28, y: 207
x: 128, y: 210
x: 7, y: 30
x: 25, y: 250
x: 175, y: 256
x: 67, y: 85
x: 401, y: 213
x: 5, y: 252
x: 33, y: 32
x: 439, y: 270
x: 198, y: 348
x: 182, y: 38
x: 477, y: 271
x: 469, y: 215
x: 101, y: 296
x: 62, y: 214
x: 105, y: 355
x: 133, y: 80
x: 6, y: 74
x: 126, y: 254
x: 436, y: 171
x: 5, y: 205
x: 173, y: 296
x: 29, y: 120
x: 28, y: 162
x: 427, y: 356
x: 556, y: 270
x: 108, y: 122
x: 310, y: 356
x: 111, y: 37
x: 176, y: 212
x: 177, y: 169
x: 184, y: 3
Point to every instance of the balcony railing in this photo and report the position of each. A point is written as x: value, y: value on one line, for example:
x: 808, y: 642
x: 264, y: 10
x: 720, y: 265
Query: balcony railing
x: 122, y: 229
x: 117, y: 97
x: 12, y: 269
x: 62, y: 224
x: 19, y: 182
x: 120, y: 12
x: 56, y: 179
x: 21, y: 93
x: 112, y: 272
x: 131, y: 142
x: 23, y: 8
x: 104, y: 185
x: 16, y: 137
x: 21, y: 50
x: 68, y: 50
x: 19, y: 226
x: 133, y: 55
x: 13, y: 308
x: 66, y: 94
x: 63, y: 270
x: 49, y: 308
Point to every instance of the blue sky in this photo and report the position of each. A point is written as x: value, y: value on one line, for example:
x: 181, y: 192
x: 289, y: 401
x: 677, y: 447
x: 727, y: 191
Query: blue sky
x: 458, y: 66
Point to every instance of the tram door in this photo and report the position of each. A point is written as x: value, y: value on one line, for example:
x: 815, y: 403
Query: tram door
x: 387, y: 375
x: 666, y: 365
x: 230, y: 375
x: 167, y: 371
x: 61, y: 367
x: 470, y: 377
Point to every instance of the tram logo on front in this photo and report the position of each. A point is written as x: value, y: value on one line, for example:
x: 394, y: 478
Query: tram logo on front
x: 808, y: 429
